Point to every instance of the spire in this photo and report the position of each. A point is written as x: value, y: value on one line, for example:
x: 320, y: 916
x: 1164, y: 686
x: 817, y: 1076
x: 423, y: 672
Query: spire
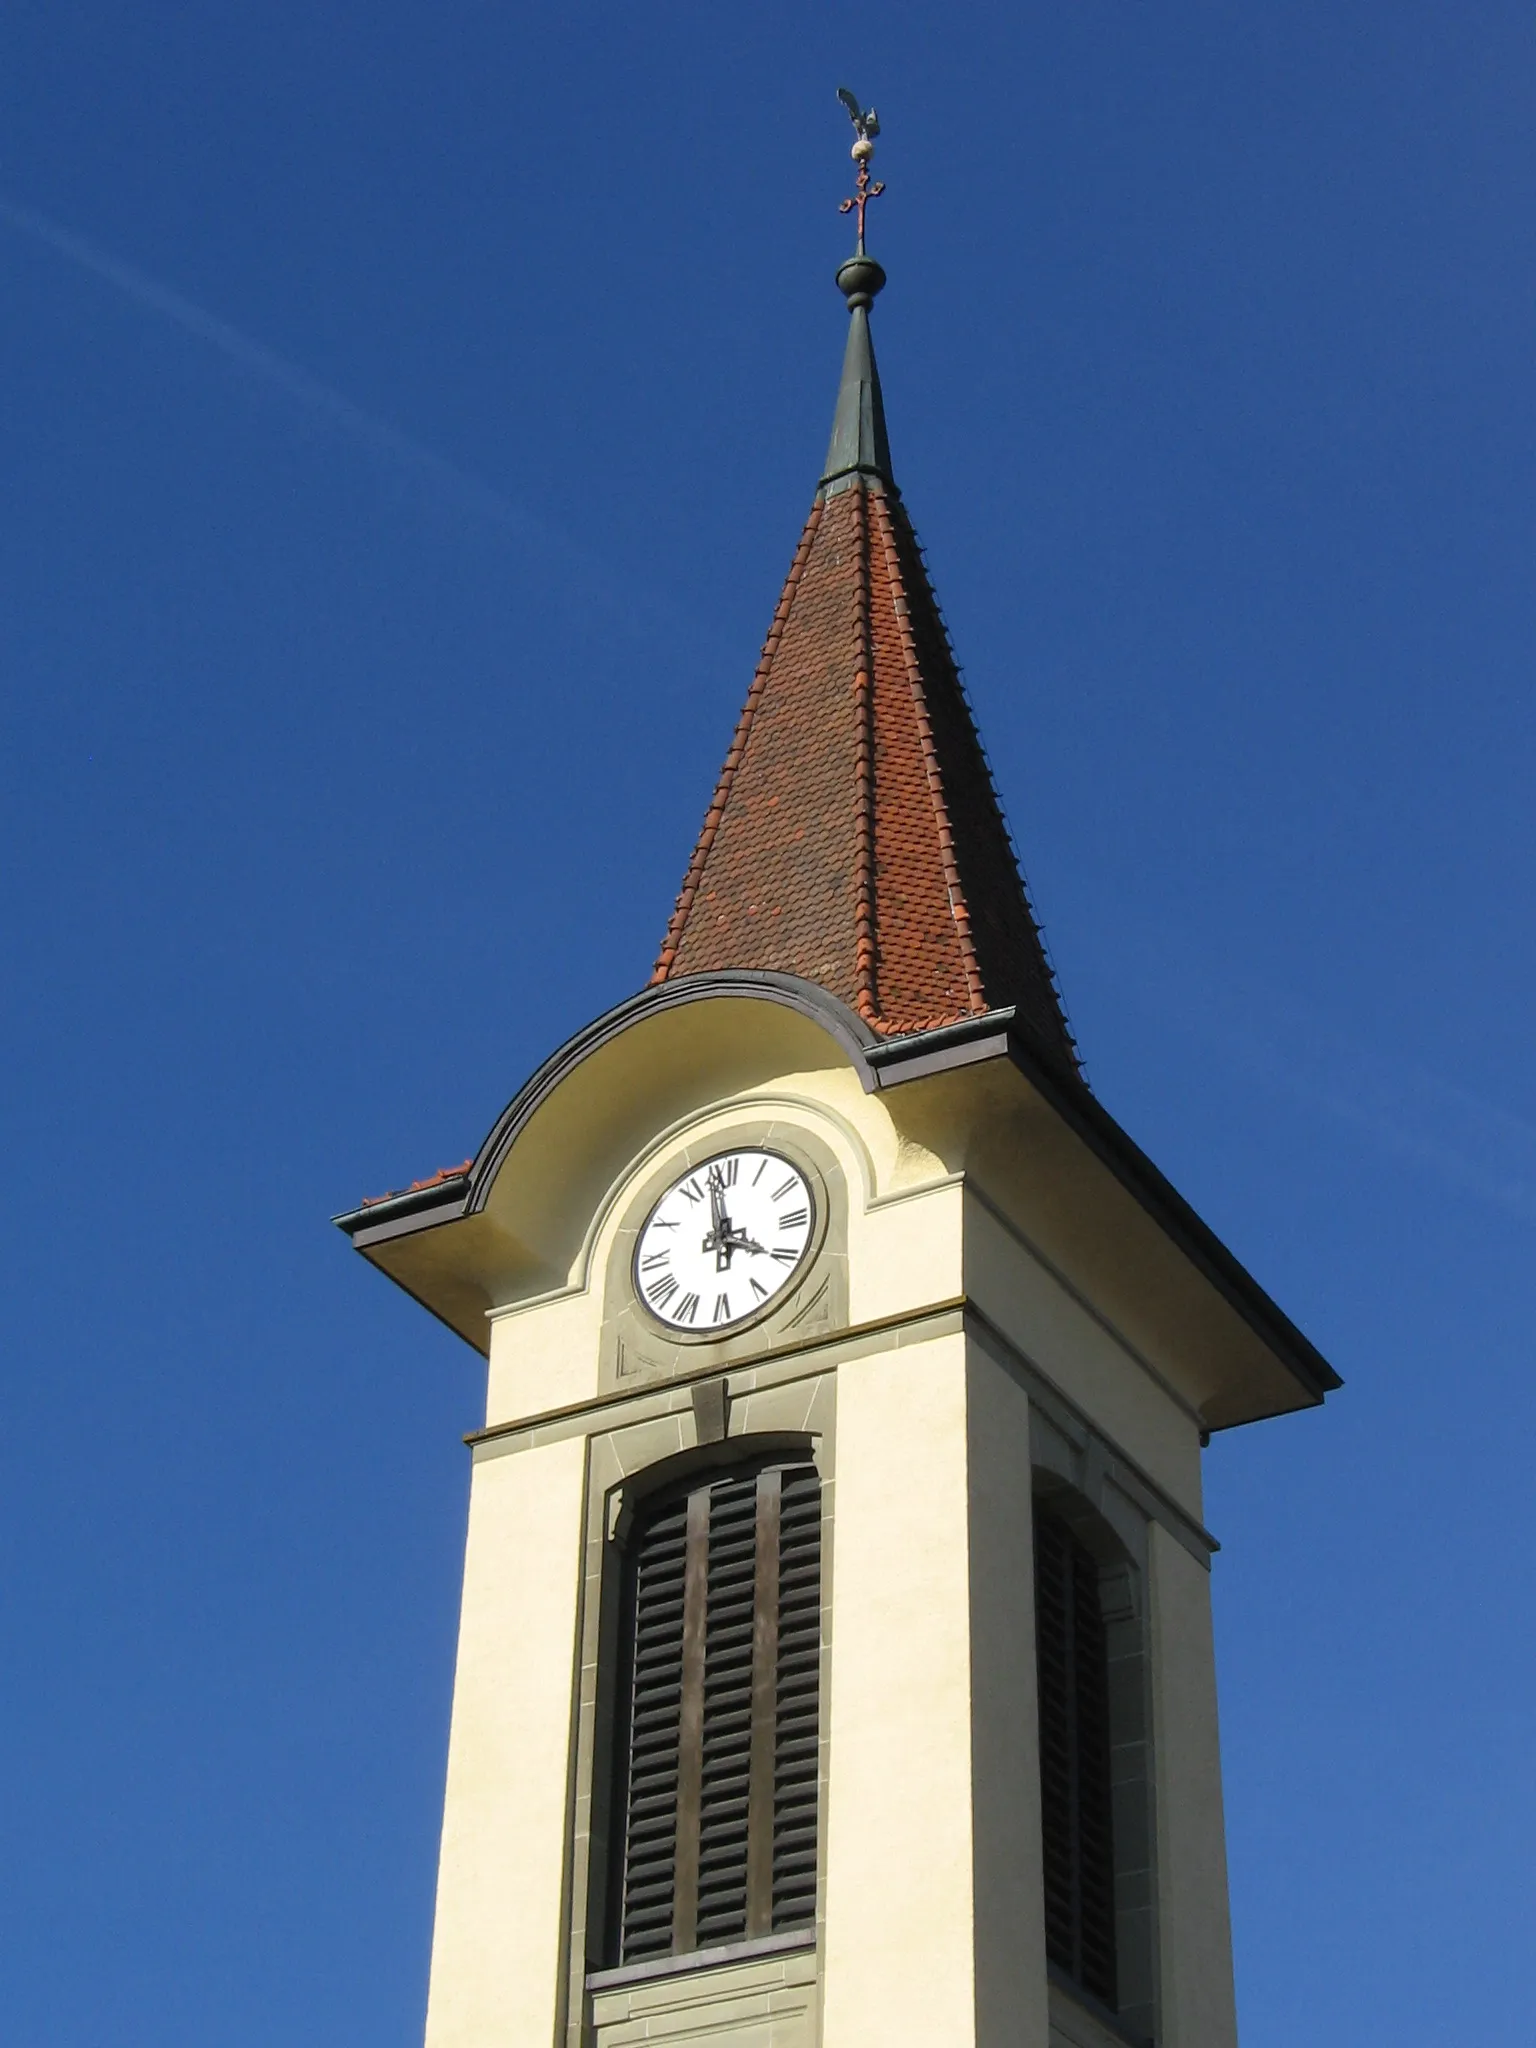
x: 855, y: 838
x: 859, y: 445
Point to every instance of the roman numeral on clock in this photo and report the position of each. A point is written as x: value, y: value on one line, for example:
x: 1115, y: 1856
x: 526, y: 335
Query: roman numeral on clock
x: 793, y: 1218
x: 654, y: 1259
x: 687, y: 1310
x: 661, y: 1291
x: 787, y: 1189
x: 722, y: 1308
x: 785, y: 1254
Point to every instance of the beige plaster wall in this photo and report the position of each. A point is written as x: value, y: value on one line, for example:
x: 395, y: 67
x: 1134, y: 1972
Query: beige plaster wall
x: 1072, y: 1347
x: 934, y: 1913
x: 1198, y: 2003
x: 498, y: 1939
x: 898, y: 1957
x: 907, y: 1252
x: 544, y: 1355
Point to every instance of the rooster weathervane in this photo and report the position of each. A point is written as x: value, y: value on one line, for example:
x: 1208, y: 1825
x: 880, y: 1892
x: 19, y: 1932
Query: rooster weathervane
x: 866, y: 126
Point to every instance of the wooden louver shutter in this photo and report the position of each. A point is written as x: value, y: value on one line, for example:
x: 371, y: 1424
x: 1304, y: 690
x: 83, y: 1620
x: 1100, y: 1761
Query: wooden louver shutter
x: 722, y: 1668
x: 1075, y: 1788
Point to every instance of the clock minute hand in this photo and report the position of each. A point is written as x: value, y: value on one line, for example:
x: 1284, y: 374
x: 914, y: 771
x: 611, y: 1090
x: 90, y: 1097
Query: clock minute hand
x: 720, y: 1240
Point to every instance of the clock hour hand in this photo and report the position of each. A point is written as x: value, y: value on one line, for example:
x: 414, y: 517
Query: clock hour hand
x: 724, y: 1237
x: 721, y: 1239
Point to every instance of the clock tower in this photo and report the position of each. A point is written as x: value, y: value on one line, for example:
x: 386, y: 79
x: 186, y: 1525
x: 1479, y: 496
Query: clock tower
x: 835, y: 1662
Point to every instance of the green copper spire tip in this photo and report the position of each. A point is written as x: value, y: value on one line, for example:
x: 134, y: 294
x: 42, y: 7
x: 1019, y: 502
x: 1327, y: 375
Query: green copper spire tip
x: 859, y: 445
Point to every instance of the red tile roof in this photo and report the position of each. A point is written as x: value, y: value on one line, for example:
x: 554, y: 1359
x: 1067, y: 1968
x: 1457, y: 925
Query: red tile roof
x: 855, y: 837
x: 433, y: 1180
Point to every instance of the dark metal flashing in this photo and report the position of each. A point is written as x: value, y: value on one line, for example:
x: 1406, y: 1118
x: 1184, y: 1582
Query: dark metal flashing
x: 858, y: 480
x: 467, y: 1194
x: 880, y: 1064
x: 1179, y: 1222
x: 399, y: 1215
x: 994, y: 1035
x: 805, y: 997
x: 988, y: 1036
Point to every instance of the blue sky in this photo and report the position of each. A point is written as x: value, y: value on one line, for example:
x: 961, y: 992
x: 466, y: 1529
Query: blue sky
x: 408, y: 414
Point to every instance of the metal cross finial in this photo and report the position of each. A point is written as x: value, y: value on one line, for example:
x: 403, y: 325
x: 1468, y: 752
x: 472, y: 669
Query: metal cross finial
x: 866, y: 126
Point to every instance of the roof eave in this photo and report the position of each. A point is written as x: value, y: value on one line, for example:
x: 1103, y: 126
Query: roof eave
x: 397, y: 1215
x: 995, y: 1034
x: 881, y: 1064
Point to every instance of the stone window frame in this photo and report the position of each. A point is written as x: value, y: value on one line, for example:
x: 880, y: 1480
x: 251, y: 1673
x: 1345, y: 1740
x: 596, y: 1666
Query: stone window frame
x: 710, y: 1422
x: 733, y: 1607
x: 1116, y: 1535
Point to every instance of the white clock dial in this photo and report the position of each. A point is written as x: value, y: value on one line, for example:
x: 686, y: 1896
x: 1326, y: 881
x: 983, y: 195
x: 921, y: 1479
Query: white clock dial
x: 726, y: 1238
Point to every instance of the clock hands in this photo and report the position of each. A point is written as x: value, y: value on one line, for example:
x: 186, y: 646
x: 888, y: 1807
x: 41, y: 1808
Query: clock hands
x: 723, y: 1237
x: 718, y: 1240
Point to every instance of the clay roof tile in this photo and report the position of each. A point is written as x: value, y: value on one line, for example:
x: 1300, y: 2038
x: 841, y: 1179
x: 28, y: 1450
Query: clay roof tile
x: 855, y: 837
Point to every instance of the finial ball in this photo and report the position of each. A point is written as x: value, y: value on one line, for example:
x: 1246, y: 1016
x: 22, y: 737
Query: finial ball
x: 859, y: 279
x: 862, y: 150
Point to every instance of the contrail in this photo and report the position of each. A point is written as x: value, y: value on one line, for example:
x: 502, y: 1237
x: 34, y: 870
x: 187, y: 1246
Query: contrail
x: 1476, y: 1145
x: 377, y: 435
x: 1479, y: 1146
x: 630, y: 612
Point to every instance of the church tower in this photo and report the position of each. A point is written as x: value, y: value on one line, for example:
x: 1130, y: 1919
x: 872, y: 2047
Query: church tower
x: 835, y: 1663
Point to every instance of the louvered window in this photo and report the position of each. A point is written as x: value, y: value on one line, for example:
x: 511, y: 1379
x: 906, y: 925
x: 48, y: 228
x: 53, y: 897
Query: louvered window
x: 1075, y: 1794
x: 721, y: 1672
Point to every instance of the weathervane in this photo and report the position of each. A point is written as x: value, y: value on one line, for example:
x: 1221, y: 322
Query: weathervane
x: 866, y: 126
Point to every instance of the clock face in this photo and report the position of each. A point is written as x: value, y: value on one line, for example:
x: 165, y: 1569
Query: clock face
x: 724, y: 1240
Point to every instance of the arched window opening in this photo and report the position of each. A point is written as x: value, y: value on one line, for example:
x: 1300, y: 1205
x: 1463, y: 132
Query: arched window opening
x: 1076, y: 1794
x: 720, y: 1691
